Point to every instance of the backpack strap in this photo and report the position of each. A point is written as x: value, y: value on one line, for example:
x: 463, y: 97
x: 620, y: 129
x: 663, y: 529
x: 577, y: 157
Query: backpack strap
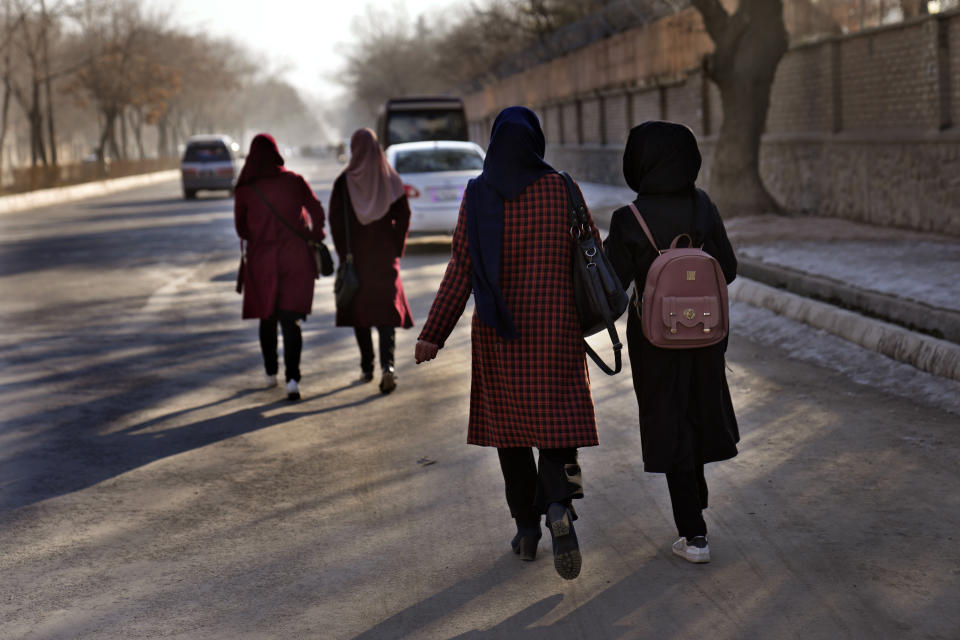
x: 643, y: 225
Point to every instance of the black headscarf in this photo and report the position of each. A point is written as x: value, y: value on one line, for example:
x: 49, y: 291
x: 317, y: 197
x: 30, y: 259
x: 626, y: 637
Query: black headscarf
x: 661, y: 157
x: 514, y: 160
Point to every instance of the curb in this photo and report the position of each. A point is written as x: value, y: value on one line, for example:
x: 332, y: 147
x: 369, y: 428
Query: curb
x: 938, y: 357
x: 58, y: 195
x: 917, y: 316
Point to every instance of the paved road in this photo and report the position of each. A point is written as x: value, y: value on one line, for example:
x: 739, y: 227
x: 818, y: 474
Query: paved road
x: 149, y: 488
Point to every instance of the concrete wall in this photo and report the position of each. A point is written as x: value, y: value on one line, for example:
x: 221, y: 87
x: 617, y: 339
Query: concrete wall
x: 865, y: 127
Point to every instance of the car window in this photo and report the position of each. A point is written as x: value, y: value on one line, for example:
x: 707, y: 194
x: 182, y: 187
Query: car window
x: 413, y: 126
x: 430, y: 160
x: 214, y: 152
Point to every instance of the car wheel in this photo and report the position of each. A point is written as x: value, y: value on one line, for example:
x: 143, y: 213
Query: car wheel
x: 189, y: 194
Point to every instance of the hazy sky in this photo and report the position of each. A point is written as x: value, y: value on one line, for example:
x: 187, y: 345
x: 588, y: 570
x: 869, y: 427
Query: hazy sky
x: 306, y: 36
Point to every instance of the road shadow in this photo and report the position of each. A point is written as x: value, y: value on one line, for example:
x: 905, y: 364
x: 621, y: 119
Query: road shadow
x: 51, y: 465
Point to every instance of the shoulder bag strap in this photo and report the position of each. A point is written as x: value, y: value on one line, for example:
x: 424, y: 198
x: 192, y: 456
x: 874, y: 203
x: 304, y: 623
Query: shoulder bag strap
x: 306, y: 239
x: 576, y: 207
x: 646, y: 229
x: 577, y: 210
x: 346, y: 219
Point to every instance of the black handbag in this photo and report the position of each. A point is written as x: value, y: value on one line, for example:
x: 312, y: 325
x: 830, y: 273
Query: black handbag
x: 599, y: 296
x: 241, y: 270
x: 322, y: 259
x: 347, y: 283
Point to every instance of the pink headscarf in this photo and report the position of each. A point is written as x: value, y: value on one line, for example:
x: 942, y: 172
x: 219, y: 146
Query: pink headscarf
x: 372, y: 182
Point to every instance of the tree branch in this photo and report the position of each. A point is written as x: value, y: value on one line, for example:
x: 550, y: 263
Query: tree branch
x: 715, y: 17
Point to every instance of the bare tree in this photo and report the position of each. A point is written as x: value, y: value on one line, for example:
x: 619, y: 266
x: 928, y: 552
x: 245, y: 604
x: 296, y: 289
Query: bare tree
x: 6, y: 46
x: 748, y: 47
x: 28, y: 38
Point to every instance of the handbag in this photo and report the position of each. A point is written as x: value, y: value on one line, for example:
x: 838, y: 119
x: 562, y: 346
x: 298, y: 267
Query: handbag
x: 322, y: 260
x: 241, y: 271
x: 598, y: 294
x: 347, y: 283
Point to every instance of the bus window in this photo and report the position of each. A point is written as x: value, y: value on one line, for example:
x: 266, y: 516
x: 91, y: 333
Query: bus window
x: 417, y: 125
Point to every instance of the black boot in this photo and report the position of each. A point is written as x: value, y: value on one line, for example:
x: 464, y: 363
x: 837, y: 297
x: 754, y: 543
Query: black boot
x: 525, y: 542
x: 566, y: 548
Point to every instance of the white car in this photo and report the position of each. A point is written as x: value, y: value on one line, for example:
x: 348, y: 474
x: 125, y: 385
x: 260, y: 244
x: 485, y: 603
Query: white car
x: 435, y: 174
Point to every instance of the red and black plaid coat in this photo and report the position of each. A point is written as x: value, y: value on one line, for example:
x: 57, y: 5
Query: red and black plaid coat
x: 534, y: 391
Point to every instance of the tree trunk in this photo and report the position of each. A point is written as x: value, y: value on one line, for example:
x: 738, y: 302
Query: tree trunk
x: 748, y: 47
x: 136, y: 123
x: 123, y: 134
x: 4, y: 116
x: 163, y: 144
x: 38, y: 154
x: 51, y: 129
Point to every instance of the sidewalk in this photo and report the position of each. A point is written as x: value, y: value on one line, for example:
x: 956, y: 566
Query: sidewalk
x: 58, y: 195
x: 889, y: 290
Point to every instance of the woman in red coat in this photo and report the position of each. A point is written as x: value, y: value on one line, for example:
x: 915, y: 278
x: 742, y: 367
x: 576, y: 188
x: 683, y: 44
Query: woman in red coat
x: 270, y: 203
x: 530, y: 386
x: 368, y: 200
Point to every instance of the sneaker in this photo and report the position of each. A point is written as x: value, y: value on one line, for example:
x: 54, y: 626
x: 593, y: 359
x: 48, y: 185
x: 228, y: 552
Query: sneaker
x: 696, y: 550
x: 293, y: 390
x: 270, y: 381
x: 388, y: 382
x: 365, y: 377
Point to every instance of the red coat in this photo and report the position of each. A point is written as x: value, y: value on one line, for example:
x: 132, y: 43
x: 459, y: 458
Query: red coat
x: 534, y: 391
x: 280, y: 271
x: 377, y: 249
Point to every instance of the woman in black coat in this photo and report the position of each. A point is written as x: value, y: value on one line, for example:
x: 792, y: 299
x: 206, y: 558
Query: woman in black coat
x: 686, y: 416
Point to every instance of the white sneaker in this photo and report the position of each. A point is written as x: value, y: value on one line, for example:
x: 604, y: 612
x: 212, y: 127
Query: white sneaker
x: 696, y: 550
x: 270, y: 381
x: 293, y: 390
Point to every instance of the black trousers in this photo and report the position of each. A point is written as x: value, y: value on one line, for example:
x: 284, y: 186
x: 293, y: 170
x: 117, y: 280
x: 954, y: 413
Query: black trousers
x: 688, y: 497
x: 531, y: 489
x: 292, y: 343
x: 387, y: 336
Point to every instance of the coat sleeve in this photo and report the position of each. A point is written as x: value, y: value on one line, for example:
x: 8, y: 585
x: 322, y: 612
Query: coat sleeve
x: 718, y: 245
x: 315, y: 210
x: 400, y: 210
x: 240, y: 215
x: 620, y: 250
x: 454, y: 290
x: 336, y: 219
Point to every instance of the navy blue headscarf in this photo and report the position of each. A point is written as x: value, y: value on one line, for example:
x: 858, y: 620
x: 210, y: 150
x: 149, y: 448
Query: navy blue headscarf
x: 514, y: 160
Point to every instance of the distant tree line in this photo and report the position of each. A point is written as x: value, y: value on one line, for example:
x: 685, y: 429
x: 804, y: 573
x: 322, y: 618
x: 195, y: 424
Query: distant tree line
x: 108, y: 79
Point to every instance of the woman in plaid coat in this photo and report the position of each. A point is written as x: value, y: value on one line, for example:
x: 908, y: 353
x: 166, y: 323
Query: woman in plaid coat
x: 530, y: 386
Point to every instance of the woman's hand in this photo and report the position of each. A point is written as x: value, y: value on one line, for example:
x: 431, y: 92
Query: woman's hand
x: 425, y: 351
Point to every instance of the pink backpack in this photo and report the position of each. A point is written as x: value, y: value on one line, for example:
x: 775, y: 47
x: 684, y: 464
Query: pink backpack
x: 684, y: 297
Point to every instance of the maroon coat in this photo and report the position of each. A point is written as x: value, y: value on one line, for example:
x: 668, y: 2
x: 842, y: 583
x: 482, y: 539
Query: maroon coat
x: 533, y: 391
x: 377, y: 249
x: 280, y: 271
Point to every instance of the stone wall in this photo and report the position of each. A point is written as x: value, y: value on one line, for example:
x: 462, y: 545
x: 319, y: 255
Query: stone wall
x: 865, y: 127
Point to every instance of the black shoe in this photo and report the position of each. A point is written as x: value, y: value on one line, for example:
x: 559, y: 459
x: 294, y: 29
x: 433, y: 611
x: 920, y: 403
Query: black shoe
x: 388, y: 382
x: 365, y: 377
x: 525, y: 545
x: 566, y: 548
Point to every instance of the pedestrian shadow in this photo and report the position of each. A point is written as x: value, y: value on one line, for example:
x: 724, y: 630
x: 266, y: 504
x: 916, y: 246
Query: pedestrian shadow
x: 92, y: 458
x: 406, y: 623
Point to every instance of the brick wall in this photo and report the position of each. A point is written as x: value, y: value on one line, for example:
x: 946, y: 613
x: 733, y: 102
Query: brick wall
x: 952, y: 56
x: 889, y: 79
x: 802, y: 92
x: 646, y: 106
x: 616, y: 118
x: 865, y: 127
x: 591, y: 119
